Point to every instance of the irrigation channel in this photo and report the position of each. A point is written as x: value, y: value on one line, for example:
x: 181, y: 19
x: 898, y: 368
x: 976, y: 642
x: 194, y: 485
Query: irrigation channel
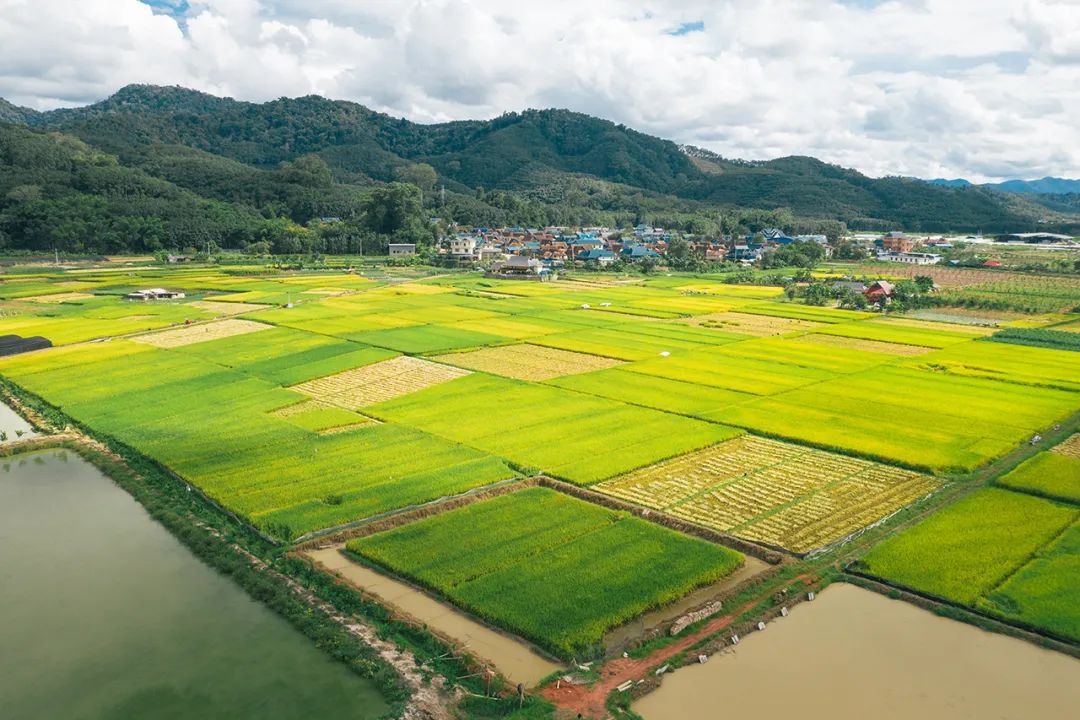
x: 104, y: 614
x: 853, y: 653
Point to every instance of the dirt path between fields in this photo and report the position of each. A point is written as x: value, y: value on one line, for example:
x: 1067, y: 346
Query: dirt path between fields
x: 591, y: 700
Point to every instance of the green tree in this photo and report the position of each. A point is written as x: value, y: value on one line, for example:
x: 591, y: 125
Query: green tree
x: 393, y: 207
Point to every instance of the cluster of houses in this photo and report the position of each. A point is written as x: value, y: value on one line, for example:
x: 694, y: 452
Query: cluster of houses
x: 555, y: 247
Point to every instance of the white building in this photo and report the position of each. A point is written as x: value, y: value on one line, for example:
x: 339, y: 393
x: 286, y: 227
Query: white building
x: 463, y: 246
x: 911, y: 258
x: 155, y: 294
x: 402, y: 248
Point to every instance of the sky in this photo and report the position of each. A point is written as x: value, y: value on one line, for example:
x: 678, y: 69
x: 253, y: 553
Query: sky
x: 981, y: 89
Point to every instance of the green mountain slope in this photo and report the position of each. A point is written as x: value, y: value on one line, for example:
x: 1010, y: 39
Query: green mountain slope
x: 544, y: 164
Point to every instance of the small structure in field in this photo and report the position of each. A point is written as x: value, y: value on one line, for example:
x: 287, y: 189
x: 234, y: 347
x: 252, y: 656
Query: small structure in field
x: 155, y: 294
x: 878, y: 290
x: 402, y: 248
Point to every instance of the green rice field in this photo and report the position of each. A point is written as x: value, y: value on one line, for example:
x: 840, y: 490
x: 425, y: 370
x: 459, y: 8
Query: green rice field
x: 549, y: 567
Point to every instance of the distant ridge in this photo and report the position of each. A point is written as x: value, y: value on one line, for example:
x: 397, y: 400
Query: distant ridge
x: 1045, y: 186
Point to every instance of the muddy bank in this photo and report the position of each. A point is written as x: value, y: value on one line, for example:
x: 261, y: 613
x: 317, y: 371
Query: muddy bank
x: 856, y: 654
x: 516, y: 660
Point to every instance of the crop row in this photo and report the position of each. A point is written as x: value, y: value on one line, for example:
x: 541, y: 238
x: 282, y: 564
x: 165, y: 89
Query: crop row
x: 771, y: 491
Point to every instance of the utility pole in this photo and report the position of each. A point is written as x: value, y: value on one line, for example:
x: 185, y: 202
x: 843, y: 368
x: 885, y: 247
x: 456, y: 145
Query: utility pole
x: 57, y: 253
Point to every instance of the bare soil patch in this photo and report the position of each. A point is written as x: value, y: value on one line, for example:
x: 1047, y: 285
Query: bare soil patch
x: 381, y: 381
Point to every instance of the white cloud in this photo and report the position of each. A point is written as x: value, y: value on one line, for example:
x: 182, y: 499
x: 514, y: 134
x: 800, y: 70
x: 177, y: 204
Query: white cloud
x: 975, y: 88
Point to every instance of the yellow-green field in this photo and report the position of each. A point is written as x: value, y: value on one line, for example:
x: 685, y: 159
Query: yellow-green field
x: 424, y: 386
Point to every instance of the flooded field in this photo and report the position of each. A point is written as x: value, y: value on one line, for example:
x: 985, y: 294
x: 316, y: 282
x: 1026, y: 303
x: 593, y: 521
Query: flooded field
x: 515, y: 659
x: 106, y: 616
x: 855, y: 654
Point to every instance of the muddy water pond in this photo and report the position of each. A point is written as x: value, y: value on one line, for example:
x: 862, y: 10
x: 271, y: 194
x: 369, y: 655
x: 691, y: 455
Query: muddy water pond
x: 103, y: 614
x: 855, y: 654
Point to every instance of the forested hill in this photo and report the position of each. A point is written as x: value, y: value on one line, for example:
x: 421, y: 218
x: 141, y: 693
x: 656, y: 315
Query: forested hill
x: 304, y: 157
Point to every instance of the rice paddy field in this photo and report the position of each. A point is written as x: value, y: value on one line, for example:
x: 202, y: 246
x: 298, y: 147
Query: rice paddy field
x: 581, y: 379
x: 1011, y: 551
x: 777, y: 493
x: 554, y: 569
x: 308, y: 401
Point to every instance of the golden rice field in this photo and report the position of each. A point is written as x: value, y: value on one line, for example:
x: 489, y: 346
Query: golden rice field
x: 876, y: 346
x: 529, y: 362
x: 378, y: 382
x: 773, y: 492
x: 1069, y: 447
x: 191, y: 334
x: 748, y: 324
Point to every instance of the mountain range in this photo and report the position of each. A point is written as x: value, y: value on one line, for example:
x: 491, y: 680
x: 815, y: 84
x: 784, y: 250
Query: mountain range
x: 155, y: 149
x: 1043, y: 186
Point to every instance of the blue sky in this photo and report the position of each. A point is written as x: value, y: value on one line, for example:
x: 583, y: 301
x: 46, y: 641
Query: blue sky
x: 984, y: 89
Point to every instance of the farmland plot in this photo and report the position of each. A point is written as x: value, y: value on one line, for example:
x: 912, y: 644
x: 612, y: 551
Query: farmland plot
x: 1051, y: 474
x: 577, y: 437
x: 528, y: 362
x: 1005, y: 553
x: 1006, y: 362
x: 876, y: 346
x: 192, y: 334
x: 1043, y: 592
x: 224, y: 308
x: 382, y: 381
x: 772, y: 492
x: 750, y: 324
x: 652, y: 391
x: 556, y: 570
x: 955, y: 422
x: 215, y: 428
x: 902, y: 332
x: 730, y: 371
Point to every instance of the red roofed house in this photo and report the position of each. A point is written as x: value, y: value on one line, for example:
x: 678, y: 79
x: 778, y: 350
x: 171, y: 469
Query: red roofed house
x: 878, y: 290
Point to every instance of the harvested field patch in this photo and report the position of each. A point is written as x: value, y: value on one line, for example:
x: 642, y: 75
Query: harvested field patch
x: 529, y: 362
x: 380, y: 381
x: 191, y: 334
x: 1070, y: 446
x: 773, y: 492
x: 226, y: 308
x: 750, y: 324
x: 877, y: 346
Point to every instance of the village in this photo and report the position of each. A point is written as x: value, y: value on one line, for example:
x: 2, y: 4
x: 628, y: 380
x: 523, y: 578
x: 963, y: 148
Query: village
x: 516, y: 251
